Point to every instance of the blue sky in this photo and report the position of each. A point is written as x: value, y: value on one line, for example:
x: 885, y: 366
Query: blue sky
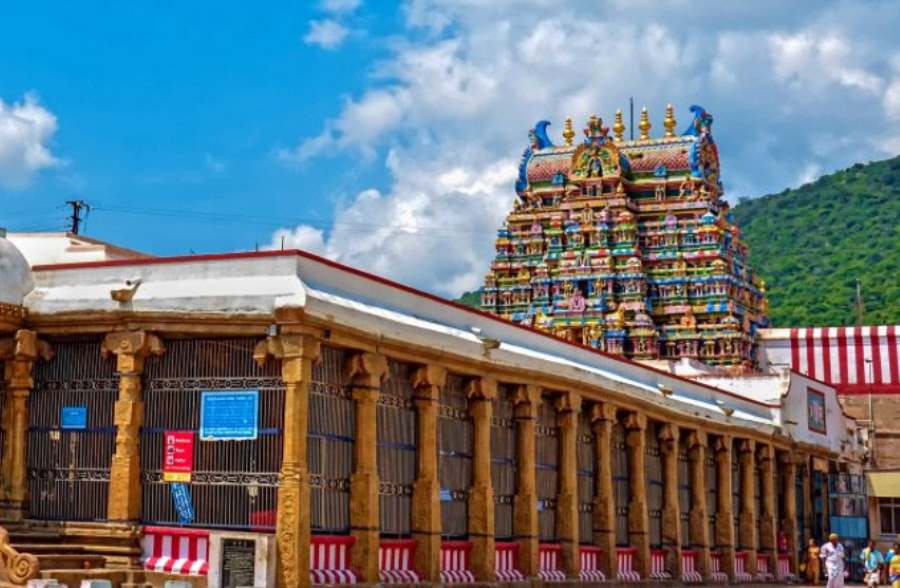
x: 387, y: 135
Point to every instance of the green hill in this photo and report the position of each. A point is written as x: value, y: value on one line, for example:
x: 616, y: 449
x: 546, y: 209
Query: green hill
x: 811, y: 244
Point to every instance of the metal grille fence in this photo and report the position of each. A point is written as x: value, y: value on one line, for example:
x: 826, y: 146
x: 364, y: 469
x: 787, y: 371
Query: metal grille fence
x: 503, y: 462
x: 234, y: 484
x: 684, y: 495
x: 736, y: 497
x: 621, y: 483
x: 757, y: 497
x: 396, y: 416
x: 712, y: 495
x: 654, y: 474
x: 331, y: 433
x: 68, y: 470
x: 2, y: 402
x: 547, y: 464
x: 455, y: 457
x: 587, y: 464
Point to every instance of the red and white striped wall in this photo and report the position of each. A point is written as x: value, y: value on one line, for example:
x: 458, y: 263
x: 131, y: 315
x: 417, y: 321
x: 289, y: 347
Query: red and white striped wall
x: 855, y: 360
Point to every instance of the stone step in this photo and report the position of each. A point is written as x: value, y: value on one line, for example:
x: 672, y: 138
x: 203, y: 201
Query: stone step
x: 71, y: 548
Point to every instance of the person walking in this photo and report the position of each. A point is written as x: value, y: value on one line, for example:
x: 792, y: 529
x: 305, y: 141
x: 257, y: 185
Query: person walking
x: 832, y: 553
x: 873, y: 562
x: 894, y: 566
x: 812, y: 563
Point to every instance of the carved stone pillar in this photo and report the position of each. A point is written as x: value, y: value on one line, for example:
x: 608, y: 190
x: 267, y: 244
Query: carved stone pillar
x: 696, y: 443
x: 525, y: 519
x: 789, y: 474
x: 747, y: 517
x: 638, y: 516
x: 297, y: 354
x: 671, y: 511
x: 724, y: 507
x: 426, y: 499
x: 365, y: 372
x: 19, y: 354
x: 131, y: 349
x: 482, y: 392
x: 603, y: 418
x: 568, y: 407
x: 767, y: 539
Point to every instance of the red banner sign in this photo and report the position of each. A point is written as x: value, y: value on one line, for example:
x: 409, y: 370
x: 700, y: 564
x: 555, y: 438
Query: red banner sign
x: 178, y: 456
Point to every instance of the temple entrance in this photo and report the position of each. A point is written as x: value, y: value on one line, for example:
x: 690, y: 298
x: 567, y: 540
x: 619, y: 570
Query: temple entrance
x: 234, y: 484
x: 71, y: 435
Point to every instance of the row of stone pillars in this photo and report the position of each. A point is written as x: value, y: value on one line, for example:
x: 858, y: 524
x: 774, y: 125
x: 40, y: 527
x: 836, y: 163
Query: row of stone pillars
x: 366, y: 372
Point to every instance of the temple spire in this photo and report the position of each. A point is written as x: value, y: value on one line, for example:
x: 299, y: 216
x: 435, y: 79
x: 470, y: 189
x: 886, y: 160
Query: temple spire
x: 669, y: 121
x: 644, y: 125
x: 619, y: 126
x: 568, y: 131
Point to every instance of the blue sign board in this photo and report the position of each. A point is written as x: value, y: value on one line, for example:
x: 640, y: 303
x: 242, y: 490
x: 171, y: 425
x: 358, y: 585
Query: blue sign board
x: 184, y: 506
x: 229, y: 415
x: 73, y: 417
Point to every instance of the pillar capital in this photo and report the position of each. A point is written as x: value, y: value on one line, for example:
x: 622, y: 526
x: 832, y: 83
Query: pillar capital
x: 763, y: 452
x: 287, y: 348
x: 636, y: 421
x: 131, y: 348
x: 526, y: 394
x: 695, y: 439
x: 428, y: 379
x: 568, y: 401
x: 744, y: 446
x: 603, y: 411
x: 24, y: 345
x: 366, y: 370
x: 668, y: 438
x: 481, y: 388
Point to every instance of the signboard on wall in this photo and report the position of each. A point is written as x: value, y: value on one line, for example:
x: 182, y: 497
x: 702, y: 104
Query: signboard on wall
x: 815, y: 409
x: 229, y: 415
x: 178, y: 456
x: 73, y: 418
x: 184, y: 505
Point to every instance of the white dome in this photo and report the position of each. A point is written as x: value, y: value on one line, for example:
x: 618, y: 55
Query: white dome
x: 15, y: 274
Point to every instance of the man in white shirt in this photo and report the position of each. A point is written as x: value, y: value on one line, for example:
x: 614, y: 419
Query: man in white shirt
x: 833, y: 554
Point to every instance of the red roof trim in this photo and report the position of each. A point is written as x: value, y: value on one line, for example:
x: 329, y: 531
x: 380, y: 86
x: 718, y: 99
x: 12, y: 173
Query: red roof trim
x: 392, y: 284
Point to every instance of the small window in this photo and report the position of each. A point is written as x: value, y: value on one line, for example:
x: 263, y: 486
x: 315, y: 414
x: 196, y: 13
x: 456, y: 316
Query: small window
x: 889, y: 509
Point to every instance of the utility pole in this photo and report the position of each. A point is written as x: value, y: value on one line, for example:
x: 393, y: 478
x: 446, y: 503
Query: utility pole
x: 77, y: 207
x: 859, y: 308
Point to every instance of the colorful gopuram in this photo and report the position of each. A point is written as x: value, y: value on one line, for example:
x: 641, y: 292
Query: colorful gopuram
x: 626, y: 245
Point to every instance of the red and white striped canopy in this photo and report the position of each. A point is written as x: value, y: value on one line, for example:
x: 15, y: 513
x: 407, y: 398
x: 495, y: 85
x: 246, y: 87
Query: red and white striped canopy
x: 855, y: 360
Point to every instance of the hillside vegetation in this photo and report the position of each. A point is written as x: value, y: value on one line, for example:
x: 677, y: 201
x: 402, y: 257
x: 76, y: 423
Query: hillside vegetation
x: 811, y: 244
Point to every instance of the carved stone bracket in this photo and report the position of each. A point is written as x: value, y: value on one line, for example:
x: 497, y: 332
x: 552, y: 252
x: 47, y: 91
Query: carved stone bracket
x: 19, y: 567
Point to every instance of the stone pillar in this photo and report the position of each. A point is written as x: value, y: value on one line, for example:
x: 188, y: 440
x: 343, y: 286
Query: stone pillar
x: 724, y: 507
x: 297, y: 354
x: 525, y: 519
x: 747, y: 516
x: 788, y: 466
x: 131, y: 349
x: 603, y: 418
x: 696, y: 444
x: 365, y: 372
x: 767, y: 538
x: 19, y: 354
x: 569, y: 407
x: 638, y: 517
x: 482, y: 392
x: 426, y: 499
x: 671, y: 511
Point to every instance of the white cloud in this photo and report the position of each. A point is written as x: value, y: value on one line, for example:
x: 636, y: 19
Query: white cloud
x: 26, y: 129
x: 340, y: 6
x: 795, y: 90
x: 213, y: 164
x: 327, y: 33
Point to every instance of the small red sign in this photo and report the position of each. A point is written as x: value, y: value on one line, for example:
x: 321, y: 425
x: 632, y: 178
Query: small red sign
x: 178, y: 456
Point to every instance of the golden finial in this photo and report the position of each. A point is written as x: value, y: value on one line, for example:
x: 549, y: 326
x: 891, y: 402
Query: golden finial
x: 669, y: 121
x: 619, y: 126
x: 568, y: 131
x: 645, y: 125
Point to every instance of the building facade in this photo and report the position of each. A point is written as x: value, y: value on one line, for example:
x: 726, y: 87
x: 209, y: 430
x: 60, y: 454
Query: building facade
x: 159, y: 415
